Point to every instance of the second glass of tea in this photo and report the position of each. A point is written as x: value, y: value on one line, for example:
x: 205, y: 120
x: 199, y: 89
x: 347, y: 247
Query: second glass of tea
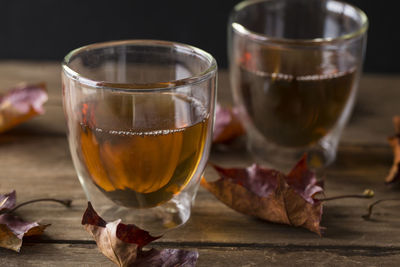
x: 294, y: 68
x: 140, y: 117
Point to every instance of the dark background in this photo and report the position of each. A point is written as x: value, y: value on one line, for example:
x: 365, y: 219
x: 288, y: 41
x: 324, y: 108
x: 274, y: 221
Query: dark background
x: 49, y: 29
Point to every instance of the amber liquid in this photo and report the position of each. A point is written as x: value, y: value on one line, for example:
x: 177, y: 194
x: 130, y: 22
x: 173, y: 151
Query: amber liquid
x: 141, y: 150
x: 294, y: 111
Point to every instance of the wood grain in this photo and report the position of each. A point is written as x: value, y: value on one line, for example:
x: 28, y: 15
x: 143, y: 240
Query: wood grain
x: 43, y: 255
x: 35, y: 160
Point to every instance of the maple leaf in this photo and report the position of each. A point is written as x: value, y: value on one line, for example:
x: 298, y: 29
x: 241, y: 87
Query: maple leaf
x: 271, y: 195
x: 394, y: 141
x: 12, y: 228
x: 227, y: 125
x: 21, y: 104
x: 123, y: 243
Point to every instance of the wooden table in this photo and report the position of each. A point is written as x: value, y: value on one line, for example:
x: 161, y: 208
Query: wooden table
x: 34, y: 160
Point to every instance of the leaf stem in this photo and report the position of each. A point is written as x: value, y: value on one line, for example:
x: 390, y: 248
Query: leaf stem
x: 368, y: 193
x: 373, y: 204
x: 66, y: 203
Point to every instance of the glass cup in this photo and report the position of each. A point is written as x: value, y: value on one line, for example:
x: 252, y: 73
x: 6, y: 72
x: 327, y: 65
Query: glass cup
x: 294, y: 69
x: 140, y: 116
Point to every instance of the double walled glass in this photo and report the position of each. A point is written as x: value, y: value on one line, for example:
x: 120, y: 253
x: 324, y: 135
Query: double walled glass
x: 294, y: 68
x: 140, y: 117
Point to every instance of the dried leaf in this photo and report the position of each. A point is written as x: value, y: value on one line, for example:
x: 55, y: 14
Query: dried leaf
x: 271, y: 195
x: 227, y: 125
x: 394, y: 141
x: 167, y: 257
x: 21, y: 104
x: 12, y: 228
x: 8, y: 201
x: 123, y: 243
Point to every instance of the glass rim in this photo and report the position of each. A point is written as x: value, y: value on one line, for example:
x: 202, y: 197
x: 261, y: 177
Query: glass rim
x: 141, y: 87
x: 239, y: 28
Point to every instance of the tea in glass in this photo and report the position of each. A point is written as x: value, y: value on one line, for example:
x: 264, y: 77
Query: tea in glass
x: 140, y: 116
x: 294, y: 69
x: 136, y: 163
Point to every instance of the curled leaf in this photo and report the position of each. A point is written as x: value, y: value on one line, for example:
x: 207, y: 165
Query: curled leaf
x: 21, y: 104
x: 271, y: 195
x: 394, y: 141
x: 227, y: 125
x: 123, y: 243
x: 8, y: 201
x: 12, y: 228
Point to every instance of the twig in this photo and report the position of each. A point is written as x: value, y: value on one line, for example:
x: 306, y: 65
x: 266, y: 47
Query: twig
x: 373, y: 204
x: 368, y: 193
x: 66, y: 203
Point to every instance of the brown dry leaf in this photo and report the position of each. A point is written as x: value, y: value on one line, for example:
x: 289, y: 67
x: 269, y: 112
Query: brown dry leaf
x: 271, y: 195
x: 21, y: 104
x: 227, y: 125
x: 123, y: 243
x: 12, y: 228
x: 394, y: 141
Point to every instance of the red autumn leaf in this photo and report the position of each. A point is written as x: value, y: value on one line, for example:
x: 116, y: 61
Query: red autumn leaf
x: 123, y: 243
x: 394, y: 141
x: 21, y: 104
x: 12, y: 228
x: 8, y: 201
x: 227, y: 125
x: 271, y: 195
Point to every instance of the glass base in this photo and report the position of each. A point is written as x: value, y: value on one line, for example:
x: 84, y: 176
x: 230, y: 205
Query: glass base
x: 284, y: 159
x: 157, y: 220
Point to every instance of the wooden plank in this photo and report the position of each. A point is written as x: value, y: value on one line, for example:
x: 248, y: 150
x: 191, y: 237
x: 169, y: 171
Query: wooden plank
x: 52, y: 123
x: 34, y: 160
x: 88, y: 255
x: 17, y: 72
x: 371, y: 122
x: 40, y: 166
x: 54, y: 255
x: 377, y: 103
